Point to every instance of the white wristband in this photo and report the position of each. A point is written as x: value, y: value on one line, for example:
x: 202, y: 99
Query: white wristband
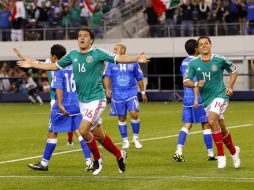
x: 196, y: 84
x: 143, y: 92
x: 36, y: 62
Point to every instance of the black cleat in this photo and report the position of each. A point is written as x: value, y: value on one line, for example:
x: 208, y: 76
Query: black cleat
x: 121, y: 162
x: 179, y: 158
x: 97, y: 166
x: 38, y: 166
x: 211, y: 158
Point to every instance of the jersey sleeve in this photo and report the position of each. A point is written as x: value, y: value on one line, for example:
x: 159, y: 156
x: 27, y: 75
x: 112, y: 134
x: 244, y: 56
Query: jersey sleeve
x: 57, y: 80
x: 229, y: 66
x: 189, y: 73
x: 108, y: 69
x: 138, y: 72
x: 105, y: 55
x: 64, y: 61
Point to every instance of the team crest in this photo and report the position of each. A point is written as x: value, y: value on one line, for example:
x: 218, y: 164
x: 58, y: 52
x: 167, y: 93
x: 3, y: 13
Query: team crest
x: 130, y: 66
x: 214, y: 68
x: 89, y: 59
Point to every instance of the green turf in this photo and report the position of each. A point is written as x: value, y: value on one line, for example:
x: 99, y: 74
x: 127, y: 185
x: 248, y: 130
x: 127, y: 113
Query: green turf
x: 24, y: 131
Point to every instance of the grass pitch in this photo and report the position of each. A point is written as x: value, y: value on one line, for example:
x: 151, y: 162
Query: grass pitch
x: 24, y: 132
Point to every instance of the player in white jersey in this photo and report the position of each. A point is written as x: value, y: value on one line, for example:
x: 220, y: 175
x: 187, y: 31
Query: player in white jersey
x: 88, y: 69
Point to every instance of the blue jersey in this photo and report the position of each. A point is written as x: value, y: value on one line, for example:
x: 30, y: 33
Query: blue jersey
x: 188, y: 98
x: 64, y: 79
x: 124, y: 79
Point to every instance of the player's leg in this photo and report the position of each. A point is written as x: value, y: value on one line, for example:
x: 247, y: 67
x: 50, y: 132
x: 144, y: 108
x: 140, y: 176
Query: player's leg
x: 86, y: 151
x: 70, y: 139
x: 214, y: 110
x: 108, y: 144
x: 30, y: 96
x: 119, y: 109
x: 38, y: 98
x: 227, y: 140
x: 199, y: 116
x: 183, y: 133
x: 208, y: 139
x: 133, y: 108
x: 48, y: 151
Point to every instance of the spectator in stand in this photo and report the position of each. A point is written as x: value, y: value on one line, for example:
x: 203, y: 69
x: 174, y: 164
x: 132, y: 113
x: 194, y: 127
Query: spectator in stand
x: 32, y: 34
x: 97, y: 21
x: 204, y: 15
x: 85, y: 15
x: 75, y: 14
x: 219, y: 17
x: 187, y: 21
x: 41, y: 14
x: 250, y: 16
x: 17, y: 19
x: 170, y: 20
x: 66, y: 16
x: 152, y: 20
x: 5, y: 25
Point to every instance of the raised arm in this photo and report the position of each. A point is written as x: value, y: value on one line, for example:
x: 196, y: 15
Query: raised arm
x: 22, y: 55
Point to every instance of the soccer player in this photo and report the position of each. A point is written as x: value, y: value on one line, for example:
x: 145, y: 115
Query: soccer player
x: 208, y: 69
x: 193, y: 111
x: 88, y: 70
x: 65, y: 113
x: 124, y: 81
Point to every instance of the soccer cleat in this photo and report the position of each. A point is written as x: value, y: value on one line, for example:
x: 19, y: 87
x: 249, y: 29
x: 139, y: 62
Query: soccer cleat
x: 179, y: 157
x: 89, y: 164
x: 235, y: 158
x: 70, y: 143
x: 121, y: 162
x: 221, y: 162
x: 38, y: 166
x: 211, y: 158
x: 137, y: 143
x: 126, y: 144
x: 97, y: 166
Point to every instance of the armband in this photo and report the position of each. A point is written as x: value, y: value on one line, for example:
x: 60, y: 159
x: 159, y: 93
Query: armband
x: 143, y: 92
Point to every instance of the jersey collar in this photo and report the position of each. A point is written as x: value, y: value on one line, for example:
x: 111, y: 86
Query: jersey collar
x: 206, y: 60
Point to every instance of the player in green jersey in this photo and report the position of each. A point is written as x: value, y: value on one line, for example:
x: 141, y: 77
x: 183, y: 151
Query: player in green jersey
x: 208, y: 69
x: 88, y: 69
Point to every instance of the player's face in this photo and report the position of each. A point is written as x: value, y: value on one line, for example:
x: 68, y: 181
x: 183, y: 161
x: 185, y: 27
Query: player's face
x: 84, y: 40
x: 117, y: 50
x: 204, y: 46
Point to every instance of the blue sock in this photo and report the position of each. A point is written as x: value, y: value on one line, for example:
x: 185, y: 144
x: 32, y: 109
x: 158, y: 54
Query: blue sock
x: 123, y: 129
x: 49, y: 149
x: 182, y: 136
x: 135, y: 124
x: 208, y: 139
x: 85, y: 148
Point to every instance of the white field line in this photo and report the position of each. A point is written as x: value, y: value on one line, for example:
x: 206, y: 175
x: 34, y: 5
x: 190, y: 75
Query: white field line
x: 190, y: 178
x: 149, y: 139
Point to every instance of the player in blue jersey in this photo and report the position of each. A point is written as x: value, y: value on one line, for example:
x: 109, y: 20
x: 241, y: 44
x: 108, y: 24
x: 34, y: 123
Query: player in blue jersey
x: 124, y: 81
x: 193, y: 111
x: 65, y: 113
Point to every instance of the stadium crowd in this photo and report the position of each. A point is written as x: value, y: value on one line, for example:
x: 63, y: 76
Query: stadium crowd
x: 201, y: 17
x: 57, y: 15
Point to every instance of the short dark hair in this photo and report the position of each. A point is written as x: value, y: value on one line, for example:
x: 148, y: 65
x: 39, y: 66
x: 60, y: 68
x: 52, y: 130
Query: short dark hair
x: 90, y: 31
x: 58, y: 50
x: 204, y: 37
x: 190, y: 46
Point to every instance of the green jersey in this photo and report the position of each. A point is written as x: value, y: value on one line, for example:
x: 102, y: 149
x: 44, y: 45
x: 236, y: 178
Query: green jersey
x: 88, y: 71
x: 212, y: 72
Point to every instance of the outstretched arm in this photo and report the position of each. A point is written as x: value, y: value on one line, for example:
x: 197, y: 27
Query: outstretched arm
x: 141, y: 58
x: 22, y: 55
x: 37, y: 65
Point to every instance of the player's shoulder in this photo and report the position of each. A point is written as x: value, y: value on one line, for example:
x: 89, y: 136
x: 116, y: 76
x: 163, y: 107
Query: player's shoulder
x: 187, y: 60
x: 101, y: 50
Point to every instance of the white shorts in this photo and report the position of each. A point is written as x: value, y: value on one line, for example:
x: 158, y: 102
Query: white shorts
x: 218, y: 106
x: 92, y: 111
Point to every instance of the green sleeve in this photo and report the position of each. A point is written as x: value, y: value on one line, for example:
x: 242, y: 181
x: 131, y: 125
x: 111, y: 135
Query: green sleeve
x: 105, y: 55
x: 228, y: 65
x: 64, y: 61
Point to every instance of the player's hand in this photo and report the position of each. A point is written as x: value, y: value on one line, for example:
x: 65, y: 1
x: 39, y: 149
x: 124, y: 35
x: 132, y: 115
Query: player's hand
x: 195, y: 103
x: 25, y: 64
x: 17, y: 52
x: 62, y: 110
x: 142, y: 58
x: 201, y: 83
x: 21, y: 55
x: 108, y: 93
x: 229, y: 91
x: 144, y: 98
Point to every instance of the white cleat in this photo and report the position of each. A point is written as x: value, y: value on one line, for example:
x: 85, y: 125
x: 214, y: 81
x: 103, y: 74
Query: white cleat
x: 221, y: 162
x: 235, y: 158
x: 137, y: 143
x: 97, y: 166
x: 126, y: 144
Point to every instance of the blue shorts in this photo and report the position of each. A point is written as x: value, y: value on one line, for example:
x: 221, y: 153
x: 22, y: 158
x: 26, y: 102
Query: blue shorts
x: 194, y: 115
x: 120, y: 108
x: 60, y: 123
